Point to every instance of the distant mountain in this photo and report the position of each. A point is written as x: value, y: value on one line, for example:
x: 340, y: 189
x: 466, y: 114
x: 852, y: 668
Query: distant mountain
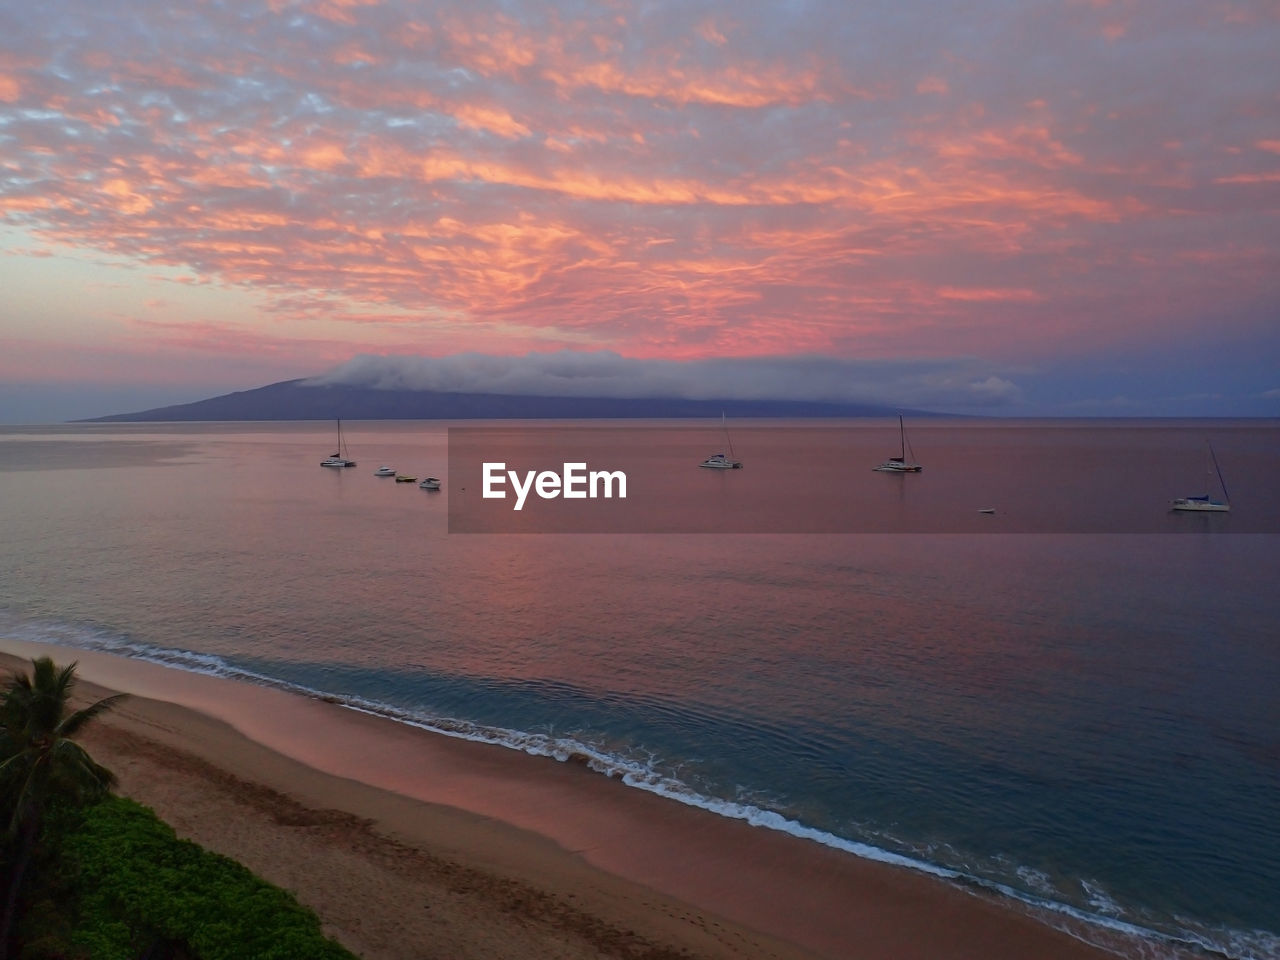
x: 290, y: 400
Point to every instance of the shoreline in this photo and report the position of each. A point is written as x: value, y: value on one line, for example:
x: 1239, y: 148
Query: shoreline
x: 548, y: 853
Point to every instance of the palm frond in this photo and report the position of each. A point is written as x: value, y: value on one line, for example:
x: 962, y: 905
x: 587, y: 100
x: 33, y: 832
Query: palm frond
x: 76, y: 771
x: 72, y: 724
x: 38, y: 760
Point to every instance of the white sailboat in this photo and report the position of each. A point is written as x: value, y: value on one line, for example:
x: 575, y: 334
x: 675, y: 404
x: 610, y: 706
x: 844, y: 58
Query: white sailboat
x: 1206, y: 503
x: 338, y: 459
x: 900, y: 464
x: 718, y: 461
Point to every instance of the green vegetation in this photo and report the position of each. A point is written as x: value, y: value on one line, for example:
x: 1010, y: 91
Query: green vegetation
x: 89, y: 876
x: 40, y: 767
x: 143, y: 888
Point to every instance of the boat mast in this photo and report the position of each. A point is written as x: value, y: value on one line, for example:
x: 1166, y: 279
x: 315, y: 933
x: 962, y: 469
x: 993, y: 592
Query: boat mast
x: 1214, y: 457
x: 727, y: 438
x: 902, y: 439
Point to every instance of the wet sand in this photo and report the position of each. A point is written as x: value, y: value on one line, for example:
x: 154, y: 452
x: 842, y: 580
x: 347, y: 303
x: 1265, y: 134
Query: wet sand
x: 410, y: 844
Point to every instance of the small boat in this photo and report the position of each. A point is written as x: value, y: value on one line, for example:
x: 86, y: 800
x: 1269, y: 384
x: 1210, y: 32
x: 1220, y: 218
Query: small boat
x: 1206, y: 503
x: 430, y: 483
x: 900, y: 464
x: 338, y: 459
x: 400, y: 478
x: 718, y: 461
x: 385, y: 472
x: 986, y: 509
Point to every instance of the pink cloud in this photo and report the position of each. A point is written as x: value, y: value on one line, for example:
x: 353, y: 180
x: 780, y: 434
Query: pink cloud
x: 493, y: 119
x: 680, y: 185
x: 1269, y: 176
x: 989, y: 295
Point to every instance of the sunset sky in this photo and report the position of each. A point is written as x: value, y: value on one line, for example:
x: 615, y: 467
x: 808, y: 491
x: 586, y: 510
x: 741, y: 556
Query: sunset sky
x: 1002, y: 206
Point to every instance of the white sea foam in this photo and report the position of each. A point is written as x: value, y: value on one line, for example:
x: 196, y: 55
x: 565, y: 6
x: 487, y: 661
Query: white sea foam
x: 1099, y: 900
x: 1102, y: 926
x: 1036, y: 880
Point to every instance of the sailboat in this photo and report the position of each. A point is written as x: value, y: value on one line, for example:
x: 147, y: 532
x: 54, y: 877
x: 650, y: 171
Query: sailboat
x: 1206, y: 503
x: 718, y: 461
x: 338, y: 459
x: 900, y: 464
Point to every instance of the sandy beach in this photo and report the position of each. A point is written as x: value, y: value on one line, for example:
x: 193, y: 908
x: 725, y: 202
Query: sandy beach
x: 410, y: 844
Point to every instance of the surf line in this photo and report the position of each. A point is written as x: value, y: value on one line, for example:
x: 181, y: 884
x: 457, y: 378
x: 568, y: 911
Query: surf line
x: 573, y: 482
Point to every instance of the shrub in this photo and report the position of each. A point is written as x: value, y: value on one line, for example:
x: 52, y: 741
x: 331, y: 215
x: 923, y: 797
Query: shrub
x: 145, y: 893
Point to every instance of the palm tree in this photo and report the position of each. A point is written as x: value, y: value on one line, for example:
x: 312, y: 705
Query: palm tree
x: 39, y: 762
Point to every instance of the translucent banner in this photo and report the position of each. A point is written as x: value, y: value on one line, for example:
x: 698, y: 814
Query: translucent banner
x: 935, y: 476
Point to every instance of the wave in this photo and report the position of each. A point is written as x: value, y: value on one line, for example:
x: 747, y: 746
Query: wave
x: 1104, y: 925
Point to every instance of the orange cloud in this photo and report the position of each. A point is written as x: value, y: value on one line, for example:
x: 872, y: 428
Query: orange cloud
x: 20, y: 204
x: 493, y: 119
x: 1032, y: 144
x: 732, y: 86
x: 1271, y: 176
x: 989, y: 295
x: 128, y: 200
x: 324, y: 156
x: 500, y: 47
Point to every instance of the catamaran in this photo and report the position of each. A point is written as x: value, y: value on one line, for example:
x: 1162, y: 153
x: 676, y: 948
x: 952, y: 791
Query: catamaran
x: 1206, y: 503
x: 338, y: 459
x: 900, y: 464
x: 718, y: 461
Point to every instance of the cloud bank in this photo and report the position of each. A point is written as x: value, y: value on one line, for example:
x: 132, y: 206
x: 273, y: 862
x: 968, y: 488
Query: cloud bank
x: 949, y: 384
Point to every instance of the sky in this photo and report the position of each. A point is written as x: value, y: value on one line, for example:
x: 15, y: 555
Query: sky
x: 1011, y: 207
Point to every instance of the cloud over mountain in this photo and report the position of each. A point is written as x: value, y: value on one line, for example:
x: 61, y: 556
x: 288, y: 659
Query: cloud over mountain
x: 949, y: 383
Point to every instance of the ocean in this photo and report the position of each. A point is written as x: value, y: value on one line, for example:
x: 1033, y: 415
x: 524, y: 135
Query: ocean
x: 1086, y: 722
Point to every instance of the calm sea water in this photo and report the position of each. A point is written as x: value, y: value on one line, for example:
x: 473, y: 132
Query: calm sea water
x: 1088, y: 722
